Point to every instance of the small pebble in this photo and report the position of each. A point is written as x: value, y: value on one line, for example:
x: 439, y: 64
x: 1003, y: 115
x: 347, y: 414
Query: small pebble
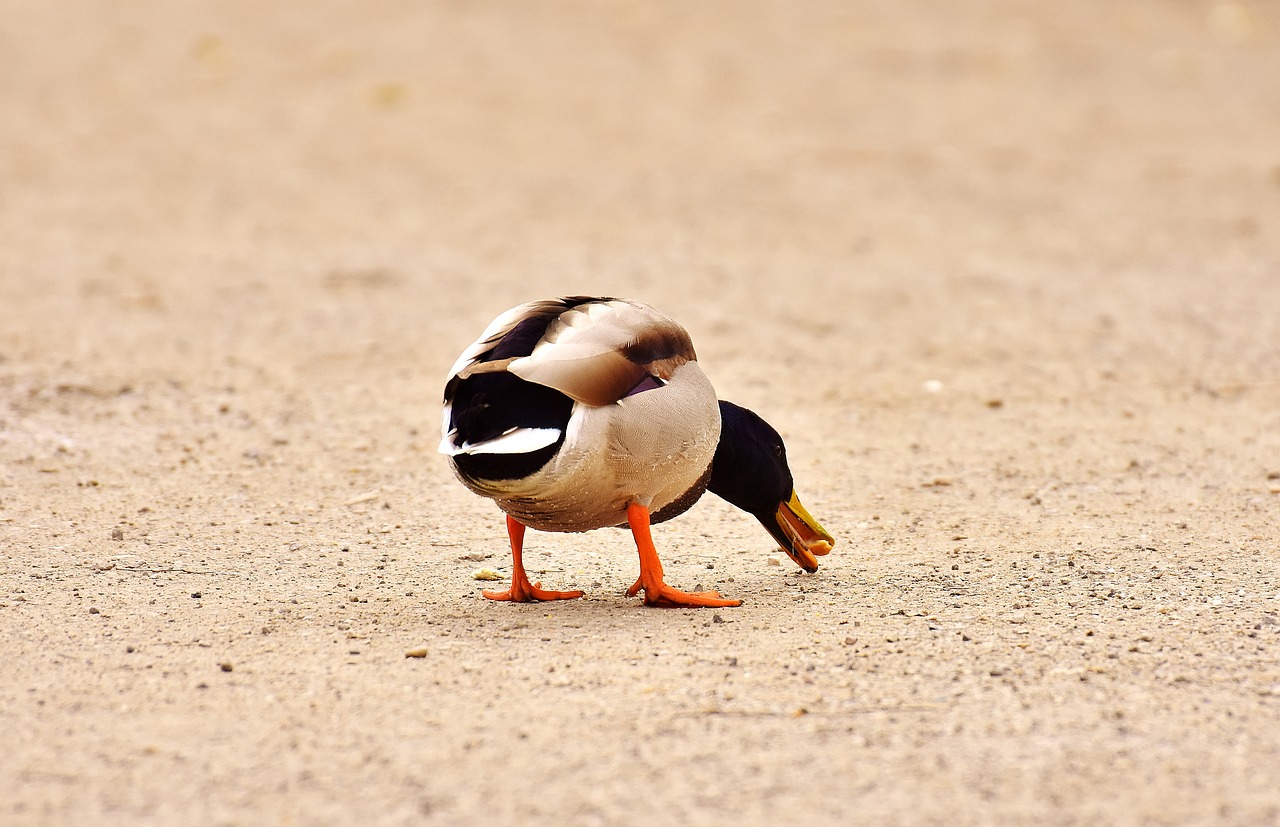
x: 226, y: 666
x: 775, y: 561
x: 486, y: 574
x: 117, y: 534
x: 420, y: 652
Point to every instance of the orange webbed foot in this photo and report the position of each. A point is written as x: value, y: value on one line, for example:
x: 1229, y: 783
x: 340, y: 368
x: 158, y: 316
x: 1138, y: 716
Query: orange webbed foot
x: 522, y: 591
x: 672, y: 598
x: 657, y: 592
x: 527, y: 592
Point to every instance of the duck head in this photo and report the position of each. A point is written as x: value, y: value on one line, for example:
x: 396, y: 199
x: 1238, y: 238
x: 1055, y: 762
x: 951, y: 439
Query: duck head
x: 750, y: 471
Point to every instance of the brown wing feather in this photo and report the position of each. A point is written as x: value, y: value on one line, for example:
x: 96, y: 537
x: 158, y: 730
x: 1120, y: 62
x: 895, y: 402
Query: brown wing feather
x: 661, y: 348
x: 597, y: 352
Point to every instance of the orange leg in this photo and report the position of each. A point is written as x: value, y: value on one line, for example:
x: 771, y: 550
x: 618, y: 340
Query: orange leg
x: 522, y: 591
x: 656, y: 592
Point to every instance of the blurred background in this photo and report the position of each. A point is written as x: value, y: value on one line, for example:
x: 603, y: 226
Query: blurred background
x: 1005, y: 273
x: 826, y: 161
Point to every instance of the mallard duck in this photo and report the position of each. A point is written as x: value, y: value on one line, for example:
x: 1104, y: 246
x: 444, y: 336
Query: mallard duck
x: 580, y: 413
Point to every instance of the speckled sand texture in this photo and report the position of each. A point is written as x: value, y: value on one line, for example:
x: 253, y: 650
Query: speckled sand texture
x: 1005, y: 274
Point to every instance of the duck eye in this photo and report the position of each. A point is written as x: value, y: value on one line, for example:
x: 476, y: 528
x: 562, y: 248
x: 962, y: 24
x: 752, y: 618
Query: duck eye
x: 778, y: 451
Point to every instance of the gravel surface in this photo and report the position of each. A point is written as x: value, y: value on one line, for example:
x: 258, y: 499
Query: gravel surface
x: 1005, y: 275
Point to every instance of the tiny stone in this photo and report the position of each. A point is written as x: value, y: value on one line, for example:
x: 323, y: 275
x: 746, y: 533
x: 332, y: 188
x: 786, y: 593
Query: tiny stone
x: 93, y: 610
x: 716, y: 618
x: 117, y: 534
x: 226, y: 666
x: 197, y: 595
x: 420, y: 652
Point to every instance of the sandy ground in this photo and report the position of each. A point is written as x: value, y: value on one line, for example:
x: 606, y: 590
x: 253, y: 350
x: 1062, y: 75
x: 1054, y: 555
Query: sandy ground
x: 1006, y: 275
